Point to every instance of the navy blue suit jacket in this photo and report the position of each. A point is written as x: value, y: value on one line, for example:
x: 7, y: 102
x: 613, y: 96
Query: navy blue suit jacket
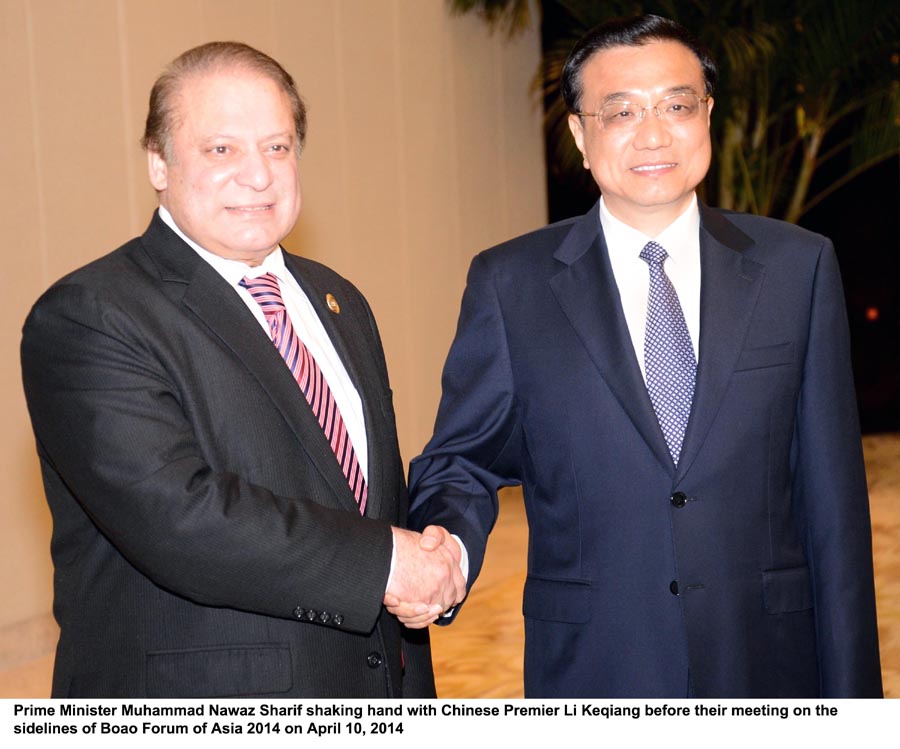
x: 745, y: 571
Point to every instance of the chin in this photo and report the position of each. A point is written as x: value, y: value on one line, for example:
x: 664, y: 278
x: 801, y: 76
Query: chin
x: 259, y: 243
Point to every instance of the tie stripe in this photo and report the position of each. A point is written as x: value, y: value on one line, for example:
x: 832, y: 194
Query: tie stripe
x: 267, y: 294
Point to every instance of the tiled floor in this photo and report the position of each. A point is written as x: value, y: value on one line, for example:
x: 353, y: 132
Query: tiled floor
x: 883, y: 471
x: 480, y: 655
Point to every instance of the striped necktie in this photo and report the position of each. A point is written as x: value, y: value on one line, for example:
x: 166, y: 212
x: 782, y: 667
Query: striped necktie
x: 267, y: 294
x: 669, y: 361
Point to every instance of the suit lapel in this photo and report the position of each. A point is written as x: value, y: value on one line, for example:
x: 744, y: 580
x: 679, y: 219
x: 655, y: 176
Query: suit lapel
x: 730, y: 284
x: 219, y: 307
x: 351, y: 338
x: 587, y: 292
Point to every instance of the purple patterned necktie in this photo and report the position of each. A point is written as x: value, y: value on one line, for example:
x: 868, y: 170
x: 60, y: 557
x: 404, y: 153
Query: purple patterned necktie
x: 669, y: 361
x: 267, y: 294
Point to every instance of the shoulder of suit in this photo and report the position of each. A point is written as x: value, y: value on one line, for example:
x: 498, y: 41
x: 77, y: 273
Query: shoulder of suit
x: 110, y: 270
x: 98, y: 291
x: 318, y: 273
x: 540, y: 243
x: 765, y: 227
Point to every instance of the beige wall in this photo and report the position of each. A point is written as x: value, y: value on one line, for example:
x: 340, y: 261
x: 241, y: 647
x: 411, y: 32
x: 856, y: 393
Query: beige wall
x: 424, y: 148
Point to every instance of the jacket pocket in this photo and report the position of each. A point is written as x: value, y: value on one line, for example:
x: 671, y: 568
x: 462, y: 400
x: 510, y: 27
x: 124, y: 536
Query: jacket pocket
x: 219, y: 672
x: 766, y: 356
x: 553, y: 600
x: 787, y: 590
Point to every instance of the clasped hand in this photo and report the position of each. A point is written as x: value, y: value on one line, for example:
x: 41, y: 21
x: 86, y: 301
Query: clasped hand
x: 427, y: 580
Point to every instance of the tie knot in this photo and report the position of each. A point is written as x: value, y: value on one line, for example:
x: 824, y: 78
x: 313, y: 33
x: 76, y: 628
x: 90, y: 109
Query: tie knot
x: 653, y: 254
x: 266, y: 293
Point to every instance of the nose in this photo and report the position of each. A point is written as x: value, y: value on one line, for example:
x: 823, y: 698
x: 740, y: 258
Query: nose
x: 255, y: 171
x: 652, y: 131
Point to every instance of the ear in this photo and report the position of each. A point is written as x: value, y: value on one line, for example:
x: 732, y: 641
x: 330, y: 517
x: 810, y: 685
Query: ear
x: 158, y: 171
x: 576, y: 127
x: 709, y: 105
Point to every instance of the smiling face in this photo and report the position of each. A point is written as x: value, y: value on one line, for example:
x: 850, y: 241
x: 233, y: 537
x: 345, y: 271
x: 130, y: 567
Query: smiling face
x: 647, y: 174
x: 231, y: 181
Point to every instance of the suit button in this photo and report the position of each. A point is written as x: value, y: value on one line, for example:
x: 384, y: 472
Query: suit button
x: 299, y: 613
x: 374, y: 660
x: 311, y: 615
x: 678, y: 499
x: 338, y: 620
x: 324, y: 617
x: 673, y: 587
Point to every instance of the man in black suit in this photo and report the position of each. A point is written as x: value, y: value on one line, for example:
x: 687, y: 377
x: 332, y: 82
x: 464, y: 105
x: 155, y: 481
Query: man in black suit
x: 227, y: 512
x: 671, y: 386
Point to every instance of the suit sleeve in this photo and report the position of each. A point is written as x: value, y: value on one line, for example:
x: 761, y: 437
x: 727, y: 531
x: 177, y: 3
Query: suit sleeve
x: 418, y: 673
x: 477, y: 438
x: 832, y: 500
x: 113, y: 437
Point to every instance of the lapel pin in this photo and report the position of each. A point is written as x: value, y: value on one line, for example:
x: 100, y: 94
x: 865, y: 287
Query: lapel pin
x: 333, y: 304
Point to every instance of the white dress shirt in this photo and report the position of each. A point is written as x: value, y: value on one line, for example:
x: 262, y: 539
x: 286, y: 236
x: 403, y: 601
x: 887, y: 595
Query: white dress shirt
x: 306, y: 323
x: 681, y: 240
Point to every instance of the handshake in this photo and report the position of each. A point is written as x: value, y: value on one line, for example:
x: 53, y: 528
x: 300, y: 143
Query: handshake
x: 427, y: 580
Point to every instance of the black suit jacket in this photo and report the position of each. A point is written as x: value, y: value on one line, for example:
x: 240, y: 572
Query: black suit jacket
x: 745, y: 571
x: 205, y: 540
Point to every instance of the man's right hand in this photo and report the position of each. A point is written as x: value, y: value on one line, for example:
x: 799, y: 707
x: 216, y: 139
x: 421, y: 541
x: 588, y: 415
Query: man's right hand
x: 427, y: 579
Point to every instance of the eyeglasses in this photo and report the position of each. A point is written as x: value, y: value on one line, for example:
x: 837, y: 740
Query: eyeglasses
x: 626, y: 115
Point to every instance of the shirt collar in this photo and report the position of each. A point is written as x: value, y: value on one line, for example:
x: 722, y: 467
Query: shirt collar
x: 678, y: 238
x: 232, y: 271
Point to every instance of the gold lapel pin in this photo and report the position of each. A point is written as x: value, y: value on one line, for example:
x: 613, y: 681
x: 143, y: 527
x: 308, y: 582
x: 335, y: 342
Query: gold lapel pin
x: 333, y: 304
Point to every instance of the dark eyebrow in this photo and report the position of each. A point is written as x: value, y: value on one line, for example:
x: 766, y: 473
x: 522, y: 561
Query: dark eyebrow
x: 216, y: 138
x: 287, y: 134
x: 681, y: 90
x: 617, y: 96
x: 629, y: 95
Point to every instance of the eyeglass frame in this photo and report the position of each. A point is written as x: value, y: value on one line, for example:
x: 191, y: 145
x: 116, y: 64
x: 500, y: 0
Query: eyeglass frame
x: 655, y: 107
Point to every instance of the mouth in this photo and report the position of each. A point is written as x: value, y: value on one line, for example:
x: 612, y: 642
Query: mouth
x: 250, y: 208
x: 651, y: 168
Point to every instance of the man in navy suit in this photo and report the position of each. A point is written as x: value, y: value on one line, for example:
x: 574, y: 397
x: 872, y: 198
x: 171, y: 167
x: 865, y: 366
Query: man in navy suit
x: 671, y: 386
